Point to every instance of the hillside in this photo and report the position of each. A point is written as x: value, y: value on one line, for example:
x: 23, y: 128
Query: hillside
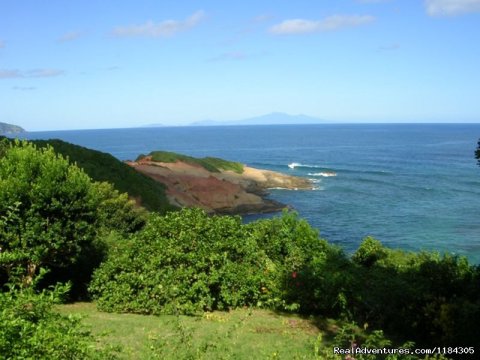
x: 104, y: 167
x: 216, y: 185
x: 10, y: 129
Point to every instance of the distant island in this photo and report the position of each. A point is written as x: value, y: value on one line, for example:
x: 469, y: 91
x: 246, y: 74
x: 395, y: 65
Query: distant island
x: 152, y: 125
x: 10, y: 129
x: 275, y: 118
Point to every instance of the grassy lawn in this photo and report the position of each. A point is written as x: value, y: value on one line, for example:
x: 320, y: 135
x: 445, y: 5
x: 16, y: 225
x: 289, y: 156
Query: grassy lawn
x: 238, y: 334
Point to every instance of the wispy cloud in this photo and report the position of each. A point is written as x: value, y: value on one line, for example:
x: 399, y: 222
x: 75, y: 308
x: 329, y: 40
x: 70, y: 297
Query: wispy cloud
x: 262, y: 18
x: 34, y: 73
x: 42, y: 73
x: 70, y: 36
x: 24, y: 88
x: 451, y: 7
x: 331, y: 23
x: 10, y: 74
x: 112, y: 68
x: 165, y: 28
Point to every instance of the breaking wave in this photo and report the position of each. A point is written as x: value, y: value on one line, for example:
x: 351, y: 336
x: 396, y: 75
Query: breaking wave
x: 324, y: 174
x: 294, y: 165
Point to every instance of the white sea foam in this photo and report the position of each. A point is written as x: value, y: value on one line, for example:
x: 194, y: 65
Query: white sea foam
x: 324, y: 174
x: 282, y: 188
x: 293, y: 165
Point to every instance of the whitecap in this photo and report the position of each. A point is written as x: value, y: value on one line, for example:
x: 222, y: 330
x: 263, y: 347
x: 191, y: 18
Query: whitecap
x: 293, y: 165
x: 323, y: 174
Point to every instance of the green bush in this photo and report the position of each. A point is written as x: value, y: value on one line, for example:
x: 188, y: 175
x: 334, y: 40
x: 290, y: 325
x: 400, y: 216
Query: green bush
x: 423, y: 297
x: 47, y: 208
x: 52, y: 214
x: 31, y: 329
x: 301, y: 263
x: 209, y: 163
x: 184, y: 262
x: 188, y: 262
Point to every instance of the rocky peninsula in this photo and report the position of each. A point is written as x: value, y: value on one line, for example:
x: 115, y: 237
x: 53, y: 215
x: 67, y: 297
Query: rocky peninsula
x: 215, y: 185
x: 6, y: 129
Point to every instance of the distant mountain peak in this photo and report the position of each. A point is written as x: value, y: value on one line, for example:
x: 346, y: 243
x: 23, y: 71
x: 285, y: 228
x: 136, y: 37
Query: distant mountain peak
x: 153, y: 125
x: 274, y: 118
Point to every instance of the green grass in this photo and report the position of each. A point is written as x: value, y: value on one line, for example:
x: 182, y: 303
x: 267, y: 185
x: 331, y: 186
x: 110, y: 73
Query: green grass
x: 238, y: 334
x: 209, y: 163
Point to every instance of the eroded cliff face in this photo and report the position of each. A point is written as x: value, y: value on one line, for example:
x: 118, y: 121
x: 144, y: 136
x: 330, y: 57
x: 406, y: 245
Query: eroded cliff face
x: 224, y: 192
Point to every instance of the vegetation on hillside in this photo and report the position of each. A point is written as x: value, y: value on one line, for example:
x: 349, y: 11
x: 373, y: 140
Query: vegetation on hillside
x: 58, y: 226
x: 104, y: 167
x: 209, y: 163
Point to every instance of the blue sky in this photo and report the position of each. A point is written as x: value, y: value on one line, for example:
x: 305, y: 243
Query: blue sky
x: 102, y: 64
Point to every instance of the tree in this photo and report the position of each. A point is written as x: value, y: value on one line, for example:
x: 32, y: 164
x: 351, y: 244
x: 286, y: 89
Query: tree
x: 48, y: 210
x: 477, y: 153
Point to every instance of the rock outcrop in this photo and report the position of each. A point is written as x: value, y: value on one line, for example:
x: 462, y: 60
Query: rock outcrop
x: 223, y: 192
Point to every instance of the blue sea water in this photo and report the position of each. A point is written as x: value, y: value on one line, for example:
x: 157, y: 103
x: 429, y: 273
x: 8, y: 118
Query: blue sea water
x: 412, y: 186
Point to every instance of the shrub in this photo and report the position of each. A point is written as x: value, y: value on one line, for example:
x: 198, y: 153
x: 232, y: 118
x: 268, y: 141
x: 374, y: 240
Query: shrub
x: 301, y: 263
x: 51, y: 213
x: 31, y: 329
x: 184, y: 262
x: 47, y: 208
x: 424, y: 297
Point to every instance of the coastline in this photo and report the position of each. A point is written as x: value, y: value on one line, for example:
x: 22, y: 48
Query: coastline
x: 222, y: 192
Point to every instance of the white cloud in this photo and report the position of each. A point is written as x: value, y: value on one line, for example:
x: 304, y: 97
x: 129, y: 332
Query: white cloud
x: 331, y: 23
x: 70, y: 36
x: 34, y: 73
x: 451, y: 7
x: 163, y: 29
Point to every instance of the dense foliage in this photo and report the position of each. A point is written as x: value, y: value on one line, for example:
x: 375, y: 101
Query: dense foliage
x: 423, y: 296
x: 54, y: 218
x: 47, y: 208
x: 104, y: 167
x: 209, y: 163
x: 477, y: 153
x: 52, y: 215
x: 31, y: 329
x: 188, y: 262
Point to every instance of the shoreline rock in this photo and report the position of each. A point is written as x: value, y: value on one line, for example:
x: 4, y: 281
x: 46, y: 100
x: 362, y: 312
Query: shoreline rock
x: 223, y: 192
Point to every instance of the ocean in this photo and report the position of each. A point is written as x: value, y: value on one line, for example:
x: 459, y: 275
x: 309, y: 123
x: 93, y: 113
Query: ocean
x: 412, y: 186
